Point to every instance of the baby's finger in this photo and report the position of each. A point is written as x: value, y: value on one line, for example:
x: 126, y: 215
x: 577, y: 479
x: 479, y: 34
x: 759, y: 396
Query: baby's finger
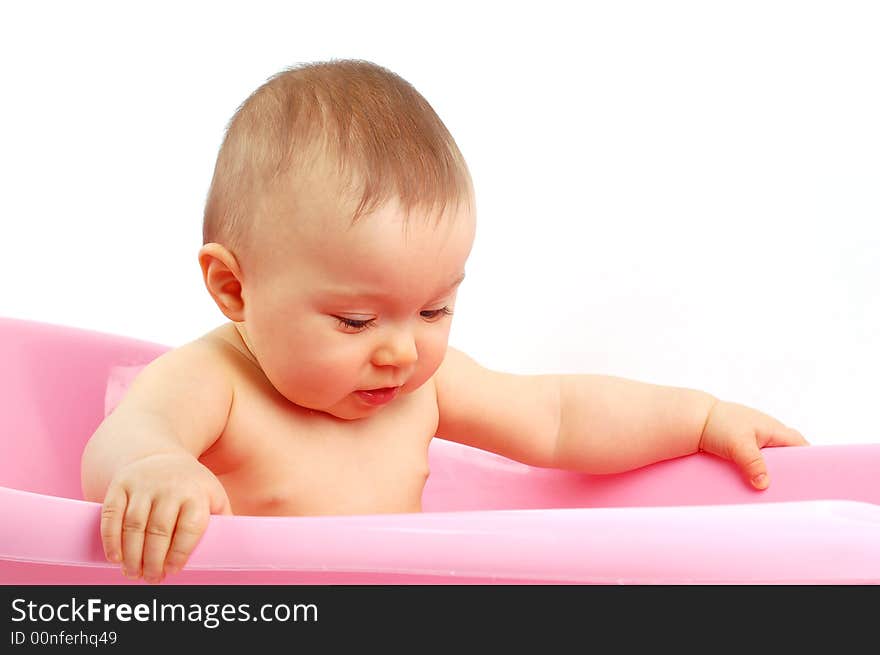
x: 785, y: 436
x: 220, y: 502
x: 160, y: 528
x: 112, y: 513
x: 133, y: 526
x: 747, y: 456
x: 191, y: 524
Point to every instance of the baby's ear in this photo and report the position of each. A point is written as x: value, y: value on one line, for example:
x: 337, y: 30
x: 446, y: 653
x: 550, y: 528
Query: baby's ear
x: 222, y: 278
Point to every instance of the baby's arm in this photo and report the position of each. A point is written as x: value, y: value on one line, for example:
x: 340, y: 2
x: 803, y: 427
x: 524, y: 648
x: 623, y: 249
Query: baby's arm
x: 595, y: 423
x: 142, y: 462
x: 619, y: 424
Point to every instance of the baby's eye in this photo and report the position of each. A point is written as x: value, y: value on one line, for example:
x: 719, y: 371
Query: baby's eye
x: 433, y: 314
x: 353, y: 324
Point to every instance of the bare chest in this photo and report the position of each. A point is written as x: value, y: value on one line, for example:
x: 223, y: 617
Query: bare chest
x: 278, y: 459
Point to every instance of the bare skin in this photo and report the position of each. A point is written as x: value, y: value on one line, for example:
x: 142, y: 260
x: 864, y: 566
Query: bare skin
x: 276, y: 458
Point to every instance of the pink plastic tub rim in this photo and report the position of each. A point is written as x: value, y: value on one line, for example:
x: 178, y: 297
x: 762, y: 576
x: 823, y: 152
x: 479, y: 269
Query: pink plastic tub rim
x: 487, y: 519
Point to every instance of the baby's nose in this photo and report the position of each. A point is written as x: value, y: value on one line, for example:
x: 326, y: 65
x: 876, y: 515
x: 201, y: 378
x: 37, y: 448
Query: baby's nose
x: 398, y: 349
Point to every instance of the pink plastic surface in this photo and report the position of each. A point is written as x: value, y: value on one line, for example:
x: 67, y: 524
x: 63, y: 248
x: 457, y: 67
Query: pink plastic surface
x: 487, y: 519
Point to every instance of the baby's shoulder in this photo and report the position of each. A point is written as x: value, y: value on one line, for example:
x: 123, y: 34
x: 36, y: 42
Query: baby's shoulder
x: 210, y: 360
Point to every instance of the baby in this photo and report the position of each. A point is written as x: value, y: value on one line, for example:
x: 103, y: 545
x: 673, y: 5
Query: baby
x: 336, y: 232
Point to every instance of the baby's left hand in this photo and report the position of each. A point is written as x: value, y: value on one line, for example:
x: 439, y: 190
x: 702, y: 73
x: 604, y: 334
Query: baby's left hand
x: 737, y: 433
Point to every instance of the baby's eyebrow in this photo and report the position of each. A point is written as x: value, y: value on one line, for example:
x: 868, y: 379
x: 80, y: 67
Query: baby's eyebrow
x: 371, y: 295
x: 454, y: 284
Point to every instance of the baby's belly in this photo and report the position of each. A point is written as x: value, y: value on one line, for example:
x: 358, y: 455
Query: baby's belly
x: 298, y: 490
x: 248, y: 500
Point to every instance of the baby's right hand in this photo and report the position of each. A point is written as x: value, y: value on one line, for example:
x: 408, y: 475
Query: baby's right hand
x: 156, y: 510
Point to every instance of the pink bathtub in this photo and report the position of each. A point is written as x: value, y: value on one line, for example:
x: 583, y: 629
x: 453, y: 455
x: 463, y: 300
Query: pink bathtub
x: 487, y: 519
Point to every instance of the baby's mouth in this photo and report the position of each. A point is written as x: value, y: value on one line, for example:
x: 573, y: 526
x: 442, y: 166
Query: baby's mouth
x: 378, y: 396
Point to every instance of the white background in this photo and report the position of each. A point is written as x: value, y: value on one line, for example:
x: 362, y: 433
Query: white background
x: 684, y: 193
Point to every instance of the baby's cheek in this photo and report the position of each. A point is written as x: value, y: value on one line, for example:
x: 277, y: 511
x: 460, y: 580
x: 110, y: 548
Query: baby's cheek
x: 332, y: 371
x: 302, y: 378
x: 430, y: 357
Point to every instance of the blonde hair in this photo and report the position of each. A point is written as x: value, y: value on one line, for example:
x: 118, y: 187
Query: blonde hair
x: 382, y: 136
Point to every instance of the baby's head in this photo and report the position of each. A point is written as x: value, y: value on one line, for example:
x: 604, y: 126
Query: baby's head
x: 337, y: 227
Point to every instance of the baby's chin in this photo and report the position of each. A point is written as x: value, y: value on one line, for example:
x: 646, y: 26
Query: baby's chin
x: 352, y: 409
x: 348, y: 409
x: 353, y: 416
